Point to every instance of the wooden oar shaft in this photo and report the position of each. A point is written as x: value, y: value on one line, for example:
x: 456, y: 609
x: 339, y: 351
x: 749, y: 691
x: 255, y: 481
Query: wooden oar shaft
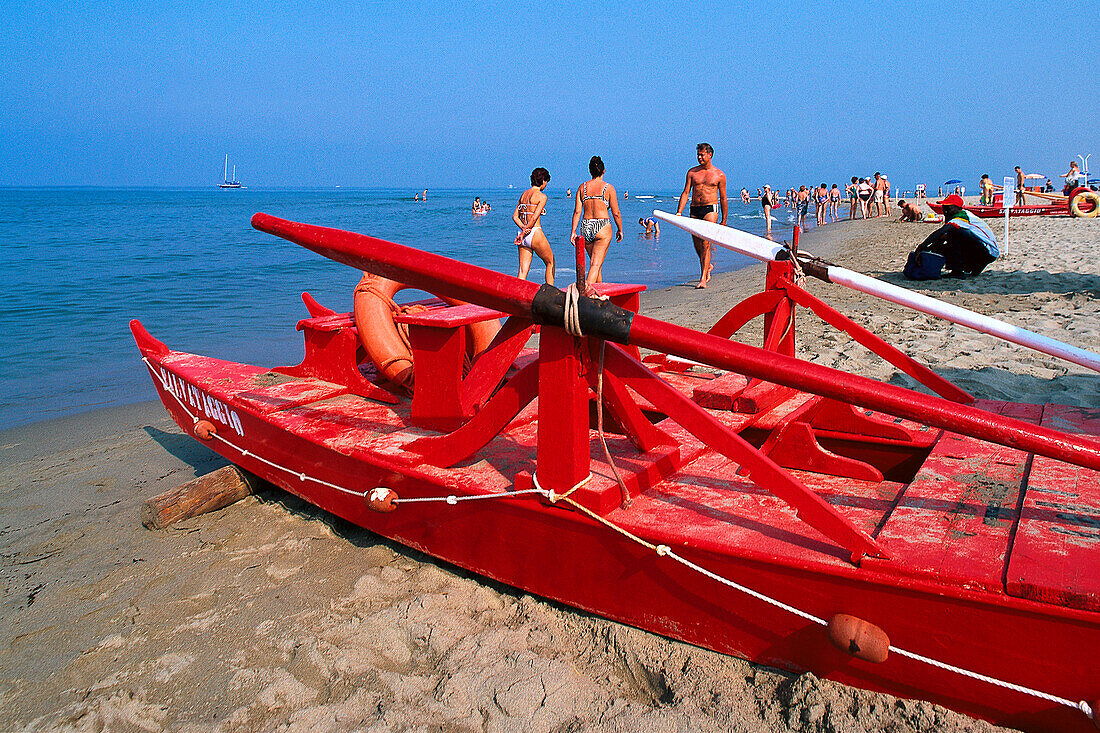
x: 1040, y: 194
x: 450, y: 278
x: 891, y: 399
x: 762, y: 249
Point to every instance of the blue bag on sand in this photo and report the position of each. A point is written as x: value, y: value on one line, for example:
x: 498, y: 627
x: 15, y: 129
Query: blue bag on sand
x: 924, y: 266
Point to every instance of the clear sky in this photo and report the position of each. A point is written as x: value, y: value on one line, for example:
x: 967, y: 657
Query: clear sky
x: 406, y: 94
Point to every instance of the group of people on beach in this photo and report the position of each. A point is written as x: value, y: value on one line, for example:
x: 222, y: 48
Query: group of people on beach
x: 596, y: 207
x: 864, y: 194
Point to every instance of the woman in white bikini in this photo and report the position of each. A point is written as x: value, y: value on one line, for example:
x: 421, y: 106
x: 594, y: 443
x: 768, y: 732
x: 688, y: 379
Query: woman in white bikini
x: 598, y: 204
x: 530, y: 238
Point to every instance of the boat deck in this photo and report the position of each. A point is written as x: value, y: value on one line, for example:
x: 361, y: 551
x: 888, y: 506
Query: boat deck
x: 975, y: 517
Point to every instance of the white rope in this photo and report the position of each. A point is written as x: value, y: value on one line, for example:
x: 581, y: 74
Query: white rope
x: 660, y: 550
x: 572, y: 312
x: 453, y: 499
x: 668, y: 552
x: 554, y: 496
x: 303, y: 477
x: 1081, y: 705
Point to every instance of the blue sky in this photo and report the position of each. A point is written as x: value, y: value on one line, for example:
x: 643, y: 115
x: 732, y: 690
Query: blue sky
x: 401, y: 94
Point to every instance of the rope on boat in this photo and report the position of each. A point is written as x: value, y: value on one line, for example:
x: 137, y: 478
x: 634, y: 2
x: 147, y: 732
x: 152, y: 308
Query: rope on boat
x: 572, y: 310
x: 666, y: 551
x: 660, y: 549
x: 599, y: 430
x: 453, y: 499
x: 303, y: 477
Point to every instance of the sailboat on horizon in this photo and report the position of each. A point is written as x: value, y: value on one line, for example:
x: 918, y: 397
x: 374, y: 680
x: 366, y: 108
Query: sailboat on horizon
x: 230, y: 183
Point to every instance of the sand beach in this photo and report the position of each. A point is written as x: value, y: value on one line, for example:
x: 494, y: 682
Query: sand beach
x: 272, y: 615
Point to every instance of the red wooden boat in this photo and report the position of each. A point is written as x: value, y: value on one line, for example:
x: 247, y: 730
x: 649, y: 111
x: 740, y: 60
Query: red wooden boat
x: 1059, y: 206
x: 929, y: 547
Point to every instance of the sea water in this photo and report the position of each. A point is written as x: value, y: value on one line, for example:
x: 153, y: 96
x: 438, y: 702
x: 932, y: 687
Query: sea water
x: 76, y: 265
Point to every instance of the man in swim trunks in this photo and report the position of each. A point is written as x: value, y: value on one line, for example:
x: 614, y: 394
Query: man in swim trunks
x: 706, y: 185
x: 880, y: 194
x: 1020, y: 199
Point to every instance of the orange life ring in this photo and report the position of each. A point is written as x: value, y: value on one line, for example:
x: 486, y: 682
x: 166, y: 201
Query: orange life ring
x: 387, y: 342
x: 1085, y: 203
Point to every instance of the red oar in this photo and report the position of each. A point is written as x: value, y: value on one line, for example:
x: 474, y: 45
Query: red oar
x: 543, y: 304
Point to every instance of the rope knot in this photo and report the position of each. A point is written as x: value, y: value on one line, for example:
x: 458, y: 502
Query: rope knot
x: 572, y: 310
x: 663, y: 550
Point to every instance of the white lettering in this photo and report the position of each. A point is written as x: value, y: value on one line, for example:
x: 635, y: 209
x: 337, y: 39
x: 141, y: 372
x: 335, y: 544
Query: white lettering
x: 210, y: 406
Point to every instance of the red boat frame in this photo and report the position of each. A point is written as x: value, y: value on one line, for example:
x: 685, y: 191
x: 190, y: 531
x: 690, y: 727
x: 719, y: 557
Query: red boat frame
x: 576, y: 546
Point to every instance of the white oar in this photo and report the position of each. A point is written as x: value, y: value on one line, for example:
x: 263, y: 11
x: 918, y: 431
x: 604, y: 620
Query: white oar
x: 766, y: 250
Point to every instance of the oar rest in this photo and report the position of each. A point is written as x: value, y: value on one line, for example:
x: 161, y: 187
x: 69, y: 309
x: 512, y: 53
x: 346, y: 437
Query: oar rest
x: 624, y: 295
x: 438, y: 339
x: 444, y: 395
x: 333, y: 354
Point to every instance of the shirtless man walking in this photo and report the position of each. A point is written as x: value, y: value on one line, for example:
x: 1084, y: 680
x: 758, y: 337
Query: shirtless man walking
x: 880, y: 195
x: 706, y: 186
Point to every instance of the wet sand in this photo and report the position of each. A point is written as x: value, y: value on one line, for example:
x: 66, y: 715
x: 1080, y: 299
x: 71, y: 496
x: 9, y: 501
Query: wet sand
x: 271, y: 614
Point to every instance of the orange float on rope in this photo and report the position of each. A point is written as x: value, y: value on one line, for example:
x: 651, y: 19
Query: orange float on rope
x: 205, y: 429
x: 860, y: 638
x: 387, y: 342
x: 382, y: 500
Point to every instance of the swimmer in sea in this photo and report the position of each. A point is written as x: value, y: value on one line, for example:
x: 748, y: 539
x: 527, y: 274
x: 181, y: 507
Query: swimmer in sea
x: 530, y: 238
x: 652, y: 227
x: 706, y: 186
x: 597, y: 204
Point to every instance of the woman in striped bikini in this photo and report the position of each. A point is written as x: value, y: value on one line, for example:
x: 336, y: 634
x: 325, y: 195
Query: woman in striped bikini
x: 596, y: 204
x: 527, y: 215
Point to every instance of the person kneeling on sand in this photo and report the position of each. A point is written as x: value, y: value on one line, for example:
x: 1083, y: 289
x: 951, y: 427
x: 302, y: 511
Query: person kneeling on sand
x: 909, y: 212
x: 965, y: 242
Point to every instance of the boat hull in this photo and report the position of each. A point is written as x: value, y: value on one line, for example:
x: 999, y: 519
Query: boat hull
x: 993, y: 212
x: 308, y: 437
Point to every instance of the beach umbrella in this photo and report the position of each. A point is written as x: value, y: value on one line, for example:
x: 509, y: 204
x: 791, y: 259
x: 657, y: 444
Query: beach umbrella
x: 1034, y: 175
x: 952, y: 182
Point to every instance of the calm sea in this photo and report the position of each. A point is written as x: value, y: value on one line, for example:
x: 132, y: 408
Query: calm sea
x: 77, y: 264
